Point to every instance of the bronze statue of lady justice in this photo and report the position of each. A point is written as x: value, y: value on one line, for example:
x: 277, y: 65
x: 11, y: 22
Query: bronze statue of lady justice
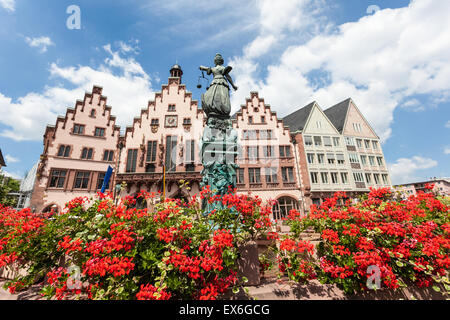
x: 216, y: 100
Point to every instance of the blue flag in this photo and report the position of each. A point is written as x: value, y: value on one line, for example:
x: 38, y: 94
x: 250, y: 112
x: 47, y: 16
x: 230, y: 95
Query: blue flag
x: 107, y: 178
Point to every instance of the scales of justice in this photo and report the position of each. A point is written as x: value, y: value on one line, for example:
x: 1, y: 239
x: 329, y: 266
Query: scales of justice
x: 218, y: 147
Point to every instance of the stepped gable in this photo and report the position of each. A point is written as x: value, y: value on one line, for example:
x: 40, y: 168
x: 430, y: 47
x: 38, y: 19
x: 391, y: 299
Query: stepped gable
x: 258, y: 103
x: 80, y: 106
x: 153, y: 105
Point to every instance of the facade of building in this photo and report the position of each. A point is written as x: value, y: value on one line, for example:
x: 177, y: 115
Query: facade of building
x: 276, y: 157
x: 441, y: 187
x: 77, y: 153
x: 366, y: 157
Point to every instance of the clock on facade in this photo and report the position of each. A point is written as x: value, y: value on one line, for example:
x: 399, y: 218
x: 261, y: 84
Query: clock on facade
x: 171, y: 121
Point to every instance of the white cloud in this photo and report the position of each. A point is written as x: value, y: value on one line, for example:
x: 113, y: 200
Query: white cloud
x: 11, y: 159
x: 42, y: 43
x: 8, y: 5
x: 447, y: 150
x: 13, y: 174
x: 125, y: 83
x: 447, y: 125
x: 382, y: 61
x: 404, y: 170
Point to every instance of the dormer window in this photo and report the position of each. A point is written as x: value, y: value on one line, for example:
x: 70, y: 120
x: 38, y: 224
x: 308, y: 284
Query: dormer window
x: 172, y: 108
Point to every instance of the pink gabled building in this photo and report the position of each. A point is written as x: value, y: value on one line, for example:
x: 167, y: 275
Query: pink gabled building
x: 77, y: 152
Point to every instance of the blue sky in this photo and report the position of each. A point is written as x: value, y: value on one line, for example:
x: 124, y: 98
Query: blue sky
x: 393, y: 60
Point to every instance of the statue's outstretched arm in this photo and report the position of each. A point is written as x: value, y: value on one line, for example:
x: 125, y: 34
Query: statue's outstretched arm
x: 230, y: 81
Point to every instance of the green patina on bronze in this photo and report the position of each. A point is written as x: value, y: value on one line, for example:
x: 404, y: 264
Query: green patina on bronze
x: 219, y: 141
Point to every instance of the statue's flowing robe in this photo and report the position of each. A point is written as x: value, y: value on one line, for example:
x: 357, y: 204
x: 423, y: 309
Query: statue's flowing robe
x: 216, y: 100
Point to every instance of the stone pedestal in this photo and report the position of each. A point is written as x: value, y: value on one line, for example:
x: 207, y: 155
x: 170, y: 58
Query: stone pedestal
x: 218, y: 154
x: 248, y: 263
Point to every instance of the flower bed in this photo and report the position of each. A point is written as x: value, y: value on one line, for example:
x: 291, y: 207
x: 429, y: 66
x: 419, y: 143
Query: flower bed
x: 99, y: 250
x: 379, y: 242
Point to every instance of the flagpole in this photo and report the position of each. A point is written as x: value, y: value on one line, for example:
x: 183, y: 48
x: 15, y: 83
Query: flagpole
x: 164, y: 182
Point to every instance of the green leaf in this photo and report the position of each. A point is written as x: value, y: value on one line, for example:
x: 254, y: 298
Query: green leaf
x: 399, y: 263
x: 436, y: 288
x: 244, y: 279
x: 235, y: 290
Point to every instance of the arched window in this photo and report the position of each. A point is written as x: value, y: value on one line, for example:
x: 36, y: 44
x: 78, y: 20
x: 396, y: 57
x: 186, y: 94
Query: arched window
x: 283, y: 206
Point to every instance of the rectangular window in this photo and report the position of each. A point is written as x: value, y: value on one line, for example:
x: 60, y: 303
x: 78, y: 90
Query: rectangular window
x: 171, y: 153
x: 375, y: 145
x: 131, y: 160
x: 385, y: 179
x: 155, y: 122
x: 317, y: 141
x: 253, y: 153
x: 367, y: 144
x: 254, y: 175
x: 108, y: 155
x: 354, y: 158
x: 320, y: 158
x: 263, y: 119
x: 287, y: 174
x: 252, y: 135
x: 327, y: 142
x: 340, y: 158
x: 268, y: 151
x: 172, y: 108
x: 314, y: 178
x: 78, y: 129
x: 64, y: 151
x: 57, y: 178
x: 240, y: 151
x: 331, y: 158
x: 190, y: 167
x: 349, y: 141
x: 265, y: 134
x: 150, y: 168
x: 334, y: 178
x: 358, y: 176
x: 359, y: 143
x: 376, y: 177
x: 99, y: 132
x: 87, y: 153
x: 336, y: 141
x: 380, y: 161
x: 187, y: 121
x: 271, y: 175
x: 364, y: 160
x: 372, y: 160
x: 245, y: 135
x: 285, y: 151
x: 100, y: 180
x: 344, y: 177
x: 308, y: 141
x: 311, y: 157
x: 324, y: 176
x: 151, y: 151
x: 369, y: 178
x: 250, y: 120
x: 190, y: 151
x: 240, y: 176
x: 319, y: 124
x: 82, y: 180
